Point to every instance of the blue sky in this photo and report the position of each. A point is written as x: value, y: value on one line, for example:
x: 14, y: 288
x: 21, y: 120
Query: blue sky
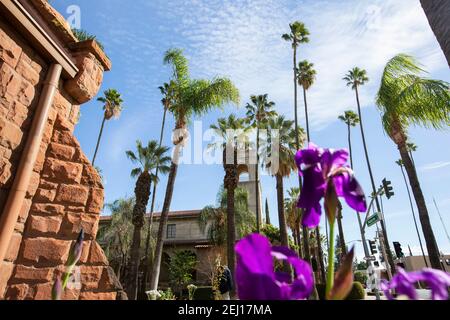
x: 241, y: 40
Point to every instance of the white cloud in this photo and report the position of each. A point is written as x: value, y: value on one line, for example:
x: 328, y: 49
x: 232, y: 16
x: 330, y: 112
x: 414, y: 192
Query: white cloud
x: 435, y: 165
x: 241, y: 39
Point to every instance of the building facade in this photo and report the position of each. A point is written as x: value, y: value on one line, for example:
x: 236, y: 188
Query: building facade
x: 48, y: 188
x: 183, y: 233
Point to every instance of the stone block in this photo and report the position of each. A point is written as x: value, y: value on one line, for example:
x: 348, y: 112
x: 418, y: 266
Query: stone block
x: 72, y: 194
x: 44, y: 225
x: 46, y: 251
x: 62, y: 171
x: 95, y: 201
x: 60, y: 151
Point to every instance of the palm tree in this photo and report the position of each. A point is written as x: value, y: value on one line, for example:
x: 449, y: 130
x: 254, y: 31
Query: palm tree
x: 407, y: 97
x: 116, y: 237
x: 147, y: 158
x: 259, y: 112
x: 214, y: 219
x: 351, y: 119
x: 306, y: 76
x: 190, y: 97
x: 112, y: 106
x: 354, y: 79
x: 298, y: 34
x: 282, y: 147
x: 293, y: 216
x: 438, y: 15
x: 229, y: 145
x: 400, y: 164
x: 166, y: 91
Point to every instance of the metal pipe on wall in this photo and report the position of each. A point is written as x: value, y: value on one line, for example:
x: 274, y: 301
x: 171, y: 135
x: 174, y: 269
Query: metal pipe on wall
x: 17, y: 193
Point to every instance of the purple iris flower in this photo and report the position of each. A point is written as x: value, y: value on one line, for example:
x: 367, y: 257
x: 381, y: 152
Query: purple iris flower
x: 322, y: 170
x: 255, y: 275
x: 404, y: 283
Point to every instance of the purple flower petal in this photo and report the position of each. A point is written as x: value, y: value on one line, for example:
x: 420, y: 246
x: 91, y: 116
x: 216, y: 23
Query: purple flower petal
x: 308, y: 157
x: 333, y: 159
x: 437, y: 280
x: 255, y: 276
x: 348, y: 187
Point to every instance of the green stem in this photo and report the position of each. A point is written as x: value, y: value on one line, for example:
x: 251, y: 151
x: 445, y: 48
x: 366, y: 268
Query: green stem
x: 66, y: 277
x: 330, y: 274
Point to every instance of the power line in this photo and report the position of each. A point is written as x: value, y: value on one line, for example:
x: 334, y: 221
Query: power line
x: 442, y: 221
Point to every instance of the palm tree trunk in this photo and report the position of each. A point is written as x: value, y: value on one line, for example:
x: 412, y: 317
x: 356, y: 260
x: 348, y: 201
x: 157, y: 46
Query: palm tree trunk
x: 341, y: 235
x: 374, y: 190
x: 162, y: 223
x: 142, y: 294
x: 98, y: 140
x: 230, y: 183
x: 281, y: 217
x: 430, y: 240
x: 438, y: 15
x: 299, y: 241
x: 231, y: 227
x: 414, y: 216
x: 306, y: 114
x: 321, y: 263
x: 258, y: 220
x: 142, y: 192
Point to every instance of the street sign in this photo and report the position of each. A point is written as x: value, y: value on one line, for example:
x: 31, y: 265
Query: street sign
x: 370, y: 258
x: 373, y: 219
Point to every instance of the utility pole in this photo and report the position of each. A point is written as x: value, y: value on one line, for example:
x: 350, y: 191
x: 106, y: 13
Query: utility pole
x: 367, y: 253
x: 383, y: 252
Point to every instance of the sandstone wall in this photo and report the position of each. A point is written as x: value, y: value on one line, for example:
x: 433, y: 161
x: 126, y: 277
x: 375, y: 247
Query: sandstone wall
x: 65, y: 192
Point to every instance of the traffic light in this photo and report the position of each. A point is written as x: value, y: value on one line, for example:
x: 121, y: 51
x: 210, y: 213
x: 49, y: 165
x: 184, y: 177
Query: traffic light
x: 387, y: 188
x: 398, y: 249
x: 373, y: 246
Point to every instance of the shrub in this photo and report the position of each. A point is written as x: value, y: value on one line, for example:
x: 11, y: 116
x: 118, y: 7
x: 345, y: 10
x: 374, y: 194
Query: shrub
x: 357, y: 292
x: 361, y: 277
x: 83, y: 35
x: 204, y: 293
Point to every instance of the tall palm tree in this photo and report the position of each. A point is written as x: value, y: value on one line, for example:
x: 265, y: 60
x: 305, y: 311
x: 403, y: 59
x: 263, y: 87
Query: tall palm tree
x: 400, y: 164
x: 112, y: 106
x: 351, y: 119
x: 259, y: 112
x: 306, y: 75
x: 438, y: 15
x: 355, y: 78
x: 147, y: 158
x: 407, y: 98
x: 298, y: 35
x: 229, y: 145
x: 166, y: 91
x: 190, y: 97
x: 282, y: 147
x: 116, y: 237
